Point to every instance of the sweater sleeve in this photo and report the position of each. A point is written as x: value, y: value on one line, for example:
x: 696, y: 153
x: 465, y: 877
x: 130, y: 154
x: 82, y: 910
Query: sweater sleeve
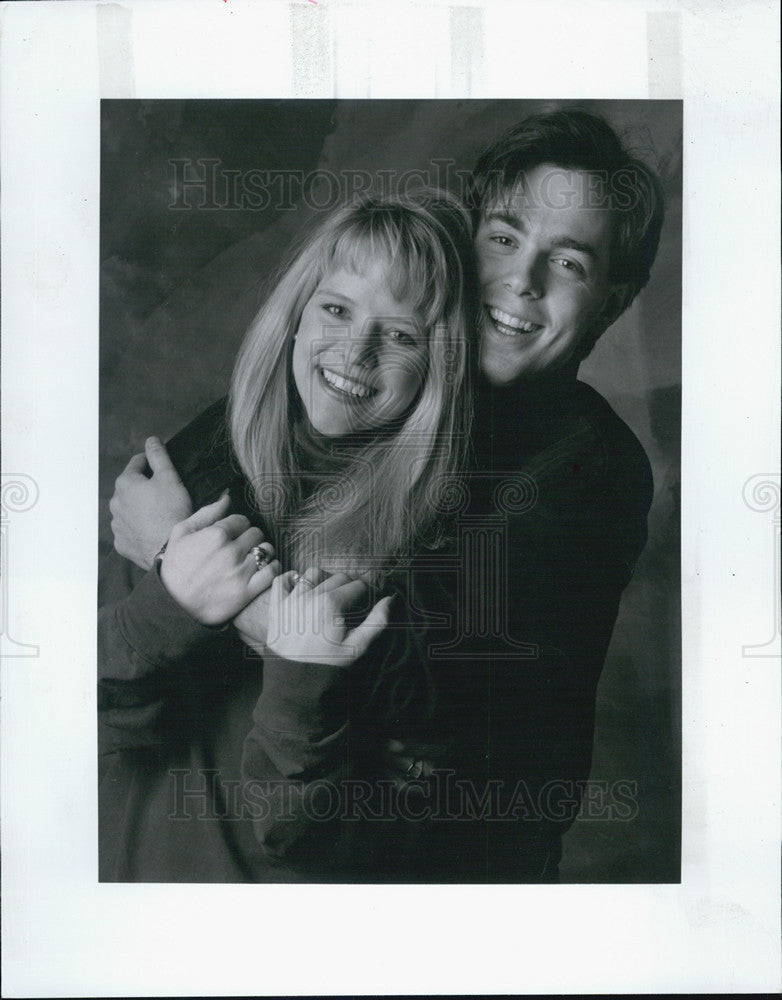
x: 297, y: 752
x: 314, y: 748
x: 144, y: 640
x: 146, y: 632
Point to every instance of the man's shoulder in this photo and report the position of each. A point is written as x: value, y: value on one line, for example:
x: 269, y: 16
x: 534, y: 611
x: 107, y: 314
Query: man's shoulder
x: 622, y: 455
x: 584, y: 459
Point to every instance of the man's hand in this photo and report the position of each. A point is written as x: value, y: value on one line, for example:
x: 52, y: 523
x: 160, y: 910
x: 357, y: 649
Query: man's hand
x: 411, y: 761
x: 308, y: 618
x: 145, y: 508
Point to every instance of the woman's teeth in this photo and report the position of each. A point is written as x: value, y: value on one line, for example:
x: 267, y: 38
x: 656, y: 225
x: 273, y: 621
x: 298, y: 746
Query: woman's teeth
x: 346, y: 385
x: 511, y: 326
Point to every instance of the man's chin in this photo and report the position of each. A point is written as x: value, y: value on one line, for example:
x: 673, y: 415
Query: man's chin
x: 504, y: 364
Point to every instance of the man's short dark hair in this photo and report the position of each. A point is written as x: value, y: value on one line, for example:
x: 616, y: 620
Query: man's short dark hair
x: 579, y: 140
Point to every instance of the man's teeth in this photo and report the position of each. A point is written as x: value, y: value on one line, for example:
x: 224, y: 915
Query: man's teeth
x: 511, y: 325
x: 344, y: 384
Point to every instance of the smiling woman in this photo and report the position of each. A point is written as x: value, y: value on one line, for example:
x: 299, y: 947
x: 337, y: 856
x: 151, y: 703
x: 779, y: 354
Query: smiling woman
x: 371, y: 323
x: 347, y: 424
x: 359, y: 356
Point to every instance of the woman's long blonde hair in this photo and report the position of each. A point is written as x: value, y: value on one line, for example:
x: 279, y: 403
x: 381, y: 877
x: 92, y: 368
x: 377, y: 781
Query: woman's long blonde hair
x: 394, y: 491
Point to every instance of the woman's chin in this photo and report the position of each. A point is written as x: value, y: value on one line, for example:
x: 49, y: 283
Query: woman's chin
x: 338, y: 425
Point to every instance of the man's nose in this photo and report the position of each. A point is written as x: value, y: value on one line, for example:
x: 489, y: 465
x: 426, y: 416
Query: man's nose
x: 524, y: 275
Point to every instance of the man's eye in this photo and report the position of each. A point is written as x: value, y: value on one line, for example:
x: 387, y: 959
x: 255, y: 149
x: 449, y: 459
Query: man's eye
x: 569, y: 265
x: 504, y: 241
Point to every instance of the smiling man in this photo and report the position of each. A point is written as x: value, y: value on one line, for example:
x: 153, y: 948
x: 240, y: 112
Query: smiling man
x: 544, y: 265
x: 567, y: 224
x: 567, y: 227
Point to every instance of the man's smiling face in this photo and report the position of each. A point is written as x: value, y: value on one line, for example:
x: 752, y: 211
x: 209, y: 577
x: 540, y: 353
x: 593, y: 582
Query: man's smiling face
x: 543, y: 261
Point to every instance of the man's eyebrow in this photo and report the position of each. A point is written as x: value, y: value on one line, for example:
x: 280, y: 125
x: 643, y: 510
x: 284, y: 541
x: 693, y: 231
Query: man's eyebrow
x: 505, y: 215
x: 568, y: 243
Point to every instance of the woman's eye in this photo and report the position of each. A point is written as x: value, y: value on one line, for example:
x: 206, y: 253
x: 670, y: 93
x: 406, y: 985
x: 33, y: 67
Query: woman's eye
x: 504, y: 241
x: 401, y: 337
x: 333, y: 309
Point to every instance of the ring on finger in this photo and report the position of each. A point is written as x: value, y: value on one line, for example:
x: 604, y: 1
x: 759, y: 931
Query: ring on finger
x: 415, y: 770
x: 261, y: 556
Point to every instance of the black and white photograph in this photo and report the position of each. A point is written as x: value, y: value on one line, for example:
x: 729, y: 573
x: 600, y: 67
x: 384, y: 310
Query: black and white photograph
x: 389, y: 579
x: 431, y: 349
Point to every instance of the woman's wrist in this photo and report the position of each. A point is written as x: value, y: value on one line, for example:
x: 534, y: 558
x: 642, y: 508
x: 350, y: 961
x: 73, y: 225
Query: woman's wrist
x: 158, y: 568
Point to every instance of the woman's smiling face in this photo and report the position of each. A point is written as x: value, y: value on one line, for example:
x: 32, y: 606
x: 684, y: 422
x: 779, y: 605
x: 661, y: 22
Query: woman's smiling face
x: 360, y: 354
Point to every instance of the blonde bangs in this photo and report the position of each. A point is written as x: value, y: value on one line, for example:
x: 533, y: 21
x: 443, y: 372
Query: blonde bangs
x: 415, y: 263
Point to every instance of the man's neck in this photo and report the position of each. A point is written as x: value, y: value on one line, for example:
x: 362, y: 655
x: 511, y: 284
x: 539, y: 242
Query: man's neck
x: 534, y: 386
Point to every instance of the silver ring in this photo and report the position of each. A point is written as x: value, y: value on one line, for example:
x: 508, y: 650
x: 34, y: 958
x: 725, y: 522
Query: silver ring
x: 261, y: 556
x: 300, y: 578
x: 415, y: 770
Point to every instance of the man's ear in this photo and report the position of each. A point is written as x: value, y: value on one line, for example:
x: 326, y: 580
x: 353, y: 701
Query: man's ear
x: 615, y: 303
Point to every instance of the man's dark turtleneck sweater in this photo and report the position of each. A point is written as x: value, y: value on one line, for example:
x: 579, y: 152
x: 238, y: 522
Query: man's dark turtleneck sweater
x: 569, y: 547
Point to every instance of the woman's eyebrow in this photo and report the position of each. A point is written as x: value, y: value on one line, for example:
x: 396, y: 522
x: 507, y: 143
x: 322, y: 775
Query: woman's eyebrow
x: 335, y: 295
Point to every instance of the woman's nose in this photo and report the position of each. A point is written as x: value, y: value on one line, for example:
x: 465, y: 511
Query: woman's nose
x: 364, y: 341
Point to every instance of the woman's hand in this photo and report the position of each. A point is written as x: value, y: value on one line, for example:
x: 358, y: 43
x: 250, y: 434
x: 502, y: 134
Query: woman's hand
x: 145, y: 508
x: 209, y: 567
x: 307, y: 618
x: 252, y: 622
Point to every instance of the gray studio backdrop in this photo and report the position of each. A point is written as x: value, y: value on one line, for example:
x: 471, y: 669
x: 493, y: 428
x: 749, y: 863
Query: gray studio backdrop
x: 186, y: 247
